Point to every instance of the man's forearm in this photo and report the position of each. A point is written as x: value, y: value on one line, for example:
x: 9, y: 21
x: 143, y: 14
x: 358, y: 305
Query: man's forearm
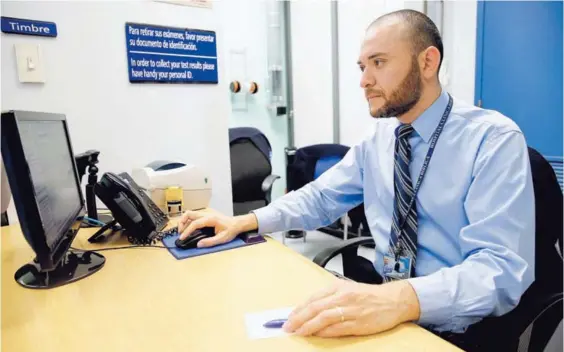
x: 312, y: 206
x: 320, y: 202
x: 288, y: 212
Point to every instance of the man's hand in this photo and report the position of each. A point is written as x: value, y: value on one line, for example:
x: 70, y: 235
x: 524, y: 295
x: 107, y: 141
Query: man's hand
x: 350, y: 308
x: 226, y: 227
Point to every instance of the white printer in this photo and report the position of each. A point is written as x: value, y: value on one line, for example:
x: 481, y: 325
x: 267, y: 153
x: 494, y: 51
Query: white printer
x: 159, y: 175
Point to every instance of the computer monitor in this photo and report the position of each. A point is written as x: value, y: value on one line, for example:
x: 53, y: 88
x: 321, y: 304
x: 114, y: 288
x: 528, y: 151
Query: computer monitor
x: 42, y: 173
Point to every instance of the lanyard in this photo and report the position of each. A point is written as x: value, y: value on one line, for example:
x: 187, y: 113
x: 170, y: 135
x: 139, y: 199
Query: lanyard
x: 427, y: 159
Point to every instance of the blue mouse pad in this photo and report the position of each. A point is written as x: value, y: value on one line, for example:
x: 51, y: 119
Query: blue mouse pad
x: 194, y: 252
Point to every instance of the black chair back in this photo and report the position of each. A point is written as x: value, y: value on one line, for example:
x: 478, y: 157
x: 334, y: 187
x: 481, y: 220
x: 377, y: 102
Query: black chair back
x: 549, y: 214
x: 250, y: 166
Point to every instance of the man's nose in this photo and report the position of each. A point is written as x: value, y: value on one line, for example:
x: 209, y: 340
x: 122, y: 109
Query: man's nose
x: 367, y: 80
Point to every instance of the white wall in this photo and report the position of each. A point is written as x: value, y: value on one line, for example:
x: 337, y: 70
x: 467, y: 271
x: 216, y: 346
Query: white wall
x: 354, y: 18
x: 311, y: 66
x: 131, y: 124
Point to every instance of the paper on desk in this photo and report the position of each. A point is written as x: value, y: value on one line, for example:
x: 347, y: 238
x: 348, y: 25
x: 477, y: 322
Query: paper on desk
x: 255, y: 321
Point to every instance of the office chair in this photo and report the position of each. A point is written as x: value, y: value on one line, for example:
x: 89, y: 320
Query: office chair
x: 531, y: 324
x: 556, y: 163
x: 251, y: 169
x: 307, y: 165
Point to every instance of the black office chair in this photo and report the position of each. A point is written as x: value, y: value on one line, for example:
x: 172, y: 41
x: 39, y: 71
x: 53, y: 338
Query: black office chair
x: 307, y: 165
x: 557, y: 164
x: 251, y: 169
x: 530, y: 325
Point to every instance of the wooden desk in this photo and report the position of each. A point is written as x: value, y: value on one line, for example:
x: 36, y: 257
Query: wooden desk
x: 145, y: 300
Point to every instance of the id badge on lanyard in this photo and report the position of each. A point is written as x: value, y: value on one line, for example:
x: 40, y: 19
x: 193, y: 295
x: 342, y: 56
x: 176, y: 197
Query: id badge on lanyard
x: 399, y: 266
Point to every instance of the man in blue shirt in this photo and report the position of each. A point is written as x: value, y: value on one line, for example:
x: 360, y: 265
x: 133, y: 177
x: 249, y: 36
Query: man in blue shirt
x: 447, y: 190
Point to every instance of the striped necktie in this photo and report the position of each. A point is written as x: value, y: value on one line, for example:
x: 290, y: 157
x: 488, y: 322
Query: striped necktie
x: 403, y: 193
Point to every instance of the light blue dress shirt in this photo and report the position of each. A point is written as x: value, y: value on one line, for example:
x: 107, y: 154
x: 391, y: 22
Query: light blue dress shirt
x: 475, y: 208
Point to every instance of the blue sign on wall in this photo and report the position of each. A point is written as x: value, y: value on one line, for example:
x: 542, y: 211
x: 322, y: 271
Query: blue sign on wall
x: 170, y: 55
x: 28, y: 27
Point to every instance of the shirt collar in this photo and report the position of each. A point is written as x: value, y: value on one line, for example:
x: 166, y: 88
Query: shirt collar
x: 426, y: 124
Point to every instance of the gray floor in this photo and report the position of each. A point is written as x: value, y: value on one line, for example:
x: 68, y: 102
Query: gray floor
x: 317, y: 241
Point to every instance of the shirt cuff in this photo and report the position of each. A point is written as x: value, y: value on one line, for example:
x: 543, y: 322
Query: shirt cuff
x: 267, y: 219
x: 435, y: 302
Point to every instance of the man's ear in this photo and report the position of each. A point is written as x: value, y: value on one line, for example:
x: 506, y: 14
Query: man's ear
x: 429, y: 62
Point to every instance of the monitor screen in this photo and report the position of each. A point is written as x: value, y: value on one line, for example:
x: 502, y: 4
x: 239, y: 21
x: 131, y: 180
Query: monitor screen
x: 51, y: 165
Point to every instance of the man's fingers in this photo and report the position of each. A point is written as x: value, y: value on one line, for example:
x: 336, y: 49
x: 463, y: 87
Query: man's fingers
x: 322, y: 320
x: 315, y: 297
x: 301, y: 317
x: 219, y: 238
x: 182, y: 224
x: 187, y: 218
x: 194, y: 215
x: 195, y: 225
x: 346, y: 328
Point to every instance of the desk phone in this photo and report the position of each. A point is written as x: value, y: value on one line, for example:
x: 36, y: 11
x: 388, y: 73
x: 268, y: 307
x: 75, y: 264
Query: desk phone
x: 131, y: 207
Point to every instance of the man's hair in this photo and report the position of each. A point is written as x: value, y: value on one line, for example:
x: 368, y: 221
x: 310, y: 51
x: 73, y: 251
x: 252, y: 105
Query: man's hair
x: 423, y: 31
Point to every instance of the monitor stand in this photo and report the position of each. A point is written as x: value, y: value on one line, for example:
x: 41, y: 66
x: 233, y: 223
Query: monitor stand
x: 74, y: 265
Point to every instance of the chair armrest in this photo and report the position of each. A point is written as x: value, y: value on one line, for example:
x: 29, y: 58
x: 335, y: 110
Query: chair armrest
x: 268, y: 182
x: 329, y: 253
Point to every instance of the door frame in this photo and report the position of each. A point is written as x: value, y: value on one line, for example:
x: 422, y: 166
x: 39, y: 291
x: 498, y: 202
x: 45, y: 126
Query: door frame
x: 479, y: 53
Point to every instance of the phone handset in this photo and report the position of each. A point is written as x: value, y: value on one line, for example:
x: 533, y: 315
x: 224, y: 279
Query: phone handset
x: 128, y: 200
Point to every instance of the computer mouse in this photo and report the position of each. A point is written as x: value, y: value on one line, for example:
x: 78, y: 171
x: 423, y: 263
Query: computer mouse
x: 192, y: 240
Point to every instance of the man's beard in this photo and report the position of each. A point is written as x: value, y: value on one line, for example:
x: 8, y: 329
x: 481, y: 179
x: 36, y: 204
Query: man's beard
x: 404, y: 97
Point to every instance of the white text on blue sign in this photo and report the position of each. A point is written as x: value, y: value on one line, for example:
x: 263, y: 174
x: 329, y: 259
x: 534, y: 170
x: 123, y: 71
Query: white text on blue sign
x: 28, y: 27
x: 170, y: 55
